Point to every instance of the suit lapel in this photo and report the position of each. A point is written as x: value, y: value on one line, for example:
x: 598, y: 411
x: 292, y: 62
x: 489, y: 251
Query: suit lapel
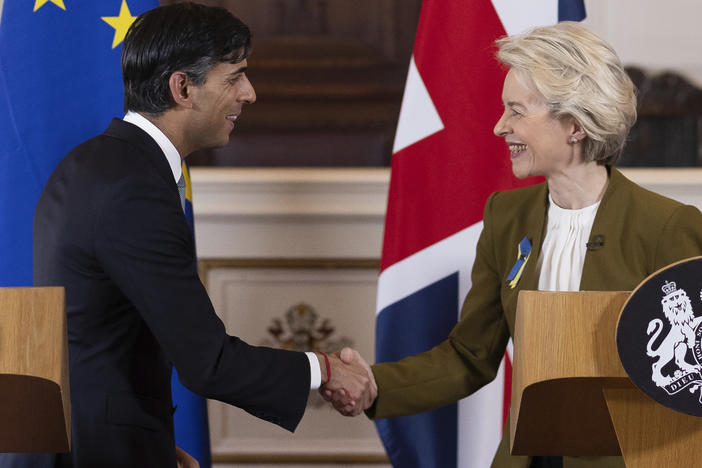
x: 535, y: 221
x: 134, y: 135
x: 128, y: 132
x: 609, y: 207
x: 529, y: 223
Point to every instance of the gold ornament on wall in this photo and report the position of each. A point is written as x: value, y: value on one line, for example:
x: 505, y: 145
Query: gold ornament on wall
x: 301, y: 330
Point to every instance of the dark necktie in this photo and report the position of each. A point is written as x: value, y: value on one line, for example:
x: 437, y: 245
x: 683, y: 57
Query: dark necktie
x: 181, y: 191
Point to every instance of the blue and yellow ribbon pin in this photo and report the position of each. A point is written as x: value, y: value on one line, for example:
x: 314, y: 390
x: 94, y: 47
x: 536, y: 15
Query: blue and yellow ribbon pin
x: 523, y: 252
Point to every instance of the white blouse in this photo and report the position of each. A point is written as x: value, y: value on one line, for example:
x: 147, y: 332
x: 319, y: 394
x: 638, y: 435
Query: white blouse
x: 564, y: 246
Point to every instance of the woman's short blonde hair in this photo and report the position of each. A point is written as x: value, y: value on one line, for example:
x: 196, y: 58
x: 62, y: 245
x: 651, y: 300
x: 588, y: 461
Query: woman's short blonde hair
x: 580, y: 76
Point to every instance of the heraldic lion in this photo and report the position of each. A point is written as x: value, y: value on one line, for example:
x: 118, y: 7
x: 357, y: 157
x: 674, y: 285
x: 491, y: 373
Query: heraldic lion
x: 678, y: 310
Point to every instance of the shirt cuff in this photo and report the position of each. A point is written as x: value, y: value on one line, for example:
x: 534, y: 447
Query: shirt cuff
x: 315, y: 374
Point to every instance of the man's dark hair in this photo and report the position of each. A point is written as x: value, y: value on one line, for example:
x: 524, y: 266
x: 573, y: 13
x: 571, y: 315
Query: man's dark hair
x: 182, y: 37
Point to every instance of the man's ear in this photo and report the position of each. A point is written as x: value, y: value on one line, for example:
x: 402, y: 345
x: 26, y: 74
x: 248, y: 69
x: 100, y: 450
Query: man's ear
x: 180, y: 87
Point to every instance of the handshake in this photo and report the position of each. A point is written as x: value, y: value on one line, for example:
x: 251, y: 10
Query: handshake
x: 348, y: 383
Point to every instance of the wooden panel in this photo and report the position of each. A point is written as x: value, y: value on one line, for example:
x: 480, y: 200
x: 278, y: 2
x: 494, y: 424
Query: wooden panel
x: 650, y: 434
x: 34, y: 388
x: 328, y: 74
x: 565, y: 349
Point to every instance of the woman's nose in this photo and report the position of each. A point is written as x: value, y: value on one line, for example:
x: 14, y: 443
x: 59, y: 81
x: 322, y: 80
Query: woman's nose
x: 500, y: 129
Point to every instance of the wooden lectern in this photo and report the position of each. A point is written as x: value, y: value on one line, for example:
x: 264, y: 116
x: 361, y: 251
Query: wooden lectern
x: 571, y: 395
x: 34, y: 393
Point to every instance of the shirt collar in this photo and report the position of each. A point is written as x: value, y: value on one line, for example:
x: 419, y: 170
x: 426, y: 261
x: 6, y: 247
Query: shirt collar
x: 172, y: 156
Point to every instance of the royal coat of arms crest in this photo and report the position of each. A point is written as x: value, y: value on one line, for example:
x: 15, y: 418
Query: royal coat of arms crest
x: 682, y: 339
x: 659, y: 337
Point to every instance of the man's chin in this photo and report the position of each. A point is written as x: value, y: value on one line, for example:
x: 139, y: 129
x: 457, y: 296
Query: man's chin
x: 218, y: 144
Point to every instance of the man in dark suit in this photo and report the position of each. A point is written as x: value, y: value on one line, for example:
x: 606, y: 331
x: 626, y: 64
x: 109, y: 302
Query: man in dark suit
x: 109, y: 227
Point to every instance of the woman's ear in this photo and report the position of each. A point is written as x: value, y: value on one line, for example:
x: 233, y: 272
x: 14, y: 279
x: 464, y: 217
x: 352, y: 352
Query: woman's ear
x: 577, y: 132
x: 179, y: 85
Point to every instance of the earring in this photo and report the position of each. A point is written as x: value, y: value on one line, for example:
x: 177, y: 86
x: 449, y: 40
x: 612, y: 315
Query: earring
x: 574, y: 140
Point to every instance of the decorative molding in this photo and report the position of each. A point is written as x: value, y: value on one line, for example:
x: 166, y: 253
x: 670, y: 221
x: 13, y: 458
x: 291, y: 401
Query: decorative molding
x: 330, y: 213
x: 250, y: 295
x: 329, y: 193
x: 289, y: 213
x: 284, y: 460
x: 682, y: 184
x: 232, y: 194
x: 205, y: 265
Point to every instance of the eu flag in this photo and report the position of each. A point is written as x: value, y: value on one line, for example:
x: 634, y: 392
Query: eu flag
x: 60, y: 84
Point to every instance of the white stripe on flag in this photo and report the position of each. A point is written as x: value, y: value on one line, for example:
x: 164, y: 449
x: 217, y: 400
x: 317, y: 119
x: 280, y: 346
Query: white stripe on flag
x: 452, y: 254
x: 418, y: 116
x: 480, y: 423
x: 510, y: 350
x: 517, y: 15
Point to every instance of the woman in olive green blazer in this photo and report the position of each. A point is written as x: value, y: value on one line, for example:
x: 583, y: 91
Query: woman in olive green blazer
x: 568, y: 107
x: 641, y: 232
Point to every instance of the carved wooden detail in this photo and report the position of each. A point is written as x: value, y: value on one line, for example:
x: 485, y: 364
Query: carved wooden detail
x: 329, y: 77
x: 667, y: 131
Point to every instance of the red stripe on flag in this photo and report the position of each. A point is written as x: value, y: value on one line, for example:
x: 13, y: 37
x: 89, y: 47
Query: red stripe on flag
x: 439, y: 185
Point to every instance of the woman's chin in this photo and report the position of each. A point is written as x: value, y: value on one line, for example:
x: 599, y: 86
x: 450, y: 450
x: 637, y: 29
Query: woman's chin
x: 519, y: 171
x: 523, y: 168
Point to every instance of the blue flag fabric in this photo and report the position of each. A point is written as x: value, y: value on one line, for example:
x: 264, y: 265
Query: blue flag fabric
x: 571, y: 10
x: 61, y: 84
x: 432, y: 432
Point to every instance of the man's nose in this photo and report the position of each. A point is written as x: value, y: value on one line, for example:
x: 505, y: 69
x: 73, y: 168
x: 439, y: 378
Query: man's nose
x: 248, y: 95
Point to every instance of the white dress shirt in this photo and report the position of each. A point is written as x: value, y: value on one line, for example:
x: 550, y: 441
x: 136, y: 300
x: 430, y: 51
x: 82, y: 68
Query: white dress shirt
x: 174, y: 160
x: 175, y: 163
x: 564, y: 247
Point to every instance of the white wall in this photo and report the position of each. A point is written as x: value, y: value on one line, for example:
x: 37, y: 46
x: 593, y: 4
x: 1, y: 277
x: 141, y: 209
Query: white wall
x: 652, y: 34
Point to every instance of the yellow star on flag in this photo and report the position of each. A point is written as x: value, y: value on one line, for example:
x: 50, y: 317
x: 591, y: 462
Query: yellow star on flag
x: 121, y: 23
x: 40, y: 3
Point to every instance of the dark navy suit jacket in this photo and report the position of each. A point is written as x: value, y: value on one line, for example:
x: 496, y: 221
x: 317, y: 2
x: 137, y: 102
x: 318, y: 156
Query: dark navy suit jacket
x: 109, y: 228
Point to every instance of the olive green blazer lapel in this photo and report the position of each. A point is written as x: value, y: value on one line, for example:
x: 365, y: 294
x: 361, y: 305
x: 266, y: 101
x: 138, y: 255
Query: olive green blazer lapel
x: 604, y: 225
x: 529, y: 222
x: 607, y: 214
x: 536, y: 224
